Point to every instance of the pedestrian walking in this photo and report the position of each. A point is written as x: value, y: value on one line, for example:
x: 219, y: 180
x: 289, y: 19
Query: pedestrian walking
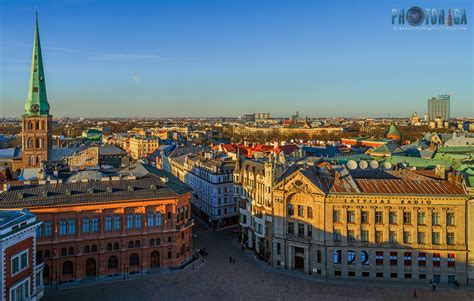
x: 414, y: 294
x: 456, y: 284
x: 433, y: 287
x: 242, y: 247
x: 233, y: 260
x: 230, y: 259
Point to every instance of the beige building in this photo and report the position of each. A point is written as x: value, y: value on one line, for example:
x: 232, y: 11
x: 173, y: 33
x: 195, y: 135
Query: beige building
x: 370, y: 224
x: 141, y: 146
x: 253, y: 182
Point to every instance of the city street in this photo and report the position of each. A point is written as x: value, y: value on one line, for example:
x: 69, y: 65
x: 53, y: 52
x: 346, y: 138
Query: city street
x: 247, y: 279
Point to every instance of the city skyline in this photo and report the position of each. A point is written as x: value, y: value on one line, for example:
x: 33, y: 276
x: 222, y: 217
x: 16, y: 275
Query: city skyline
x: 228, y: 68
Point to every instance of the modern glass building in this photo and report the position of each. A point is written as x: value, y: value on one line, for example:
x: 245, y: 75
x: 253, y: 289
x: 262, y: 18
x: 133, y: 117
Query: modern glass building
x: 439, y: 107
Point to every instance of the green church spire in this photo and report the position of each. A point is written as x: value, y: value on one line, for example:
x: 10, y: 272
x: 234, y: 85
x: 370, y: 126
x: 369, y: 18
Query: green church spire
x: 37, y: 102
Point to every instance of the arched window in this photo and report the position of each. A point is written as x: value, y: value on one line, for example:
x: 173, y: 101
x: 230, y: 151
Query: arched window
x: 30, y: 142
x: 87, y: 249
x: 113, y: 262
x: 46, y: 271
x: 70, y: 251
x: 364, y: 257
x: 130, y: 244
x: 30, y: 125
x: 109, y: 247
x: 47, y: 254
x: 137, y: 244
x: 152, y: 242
x: 134, y: 259
x: 32, y: 160
x: 336, y: 256
x: 38, y: 143
x: 351, y: 256
x: 38, y: 159
x: 158, y: 241
x: 116, y: 246
x: 94, y: 248
x: 67, y: 268
x: 63, y: 252
x: 37, y: 125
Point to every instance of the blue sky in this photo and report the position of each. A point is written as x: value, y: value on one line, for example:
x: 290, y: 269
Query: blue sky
x: 227, y: 58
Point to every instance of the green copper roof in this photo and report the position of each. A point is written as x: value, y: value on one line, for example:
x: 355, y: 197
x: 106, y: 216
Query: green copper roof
x: 393, y: 130
x: 37, y: 102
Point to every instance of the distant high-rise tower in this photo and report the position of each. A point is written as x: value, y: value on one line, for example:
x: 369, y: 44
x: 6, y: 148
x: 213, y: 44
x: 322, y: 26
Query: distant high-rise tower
x: 439, y: 107
x: 449, y: 19
x: 36, y: 122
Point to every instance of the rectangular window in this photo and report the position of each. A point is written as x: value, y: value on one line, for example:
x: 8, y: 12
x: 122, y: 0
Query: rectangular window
x: 364, y: 235
x: 300, y: 230
x: 19, y: 262
x: 406, y: 237
x: 129, y: 221
x: 350, y: 216
x: 300, y: 210
x: 393, y: 258
x: 422, y: 259
x: 62, y: 228
x: 406, y: 218
x: 392, y: 237
x: 150, y: 219
x: 310, y: 231
x: 436, y: 259
x: 47, y: 229
x: 379, y: 257
x: 421, y: 238
x: 336, y: 216
x: 378, y: 236
x: 278, y: 248
x: 108, y: 223
x: 116, y: 222
x: 95, y: 225
x: 20, y: 291
x: 407, y: 258
x: 364, y: 216
x: 351, y: 236
x: 392, y: 217
x: 421, y: 218
x: 378, y: 217
x: 450, y: 238
x: 291, y: 228
x: 310, y: 212
x: 451, y: 260
x: 86, y: 226
x: 158, y: 219
x: 450, y: 218
x: 336, y: 236
x: 435, y: 219
x: 435, y: 238
x: 290, y: 210
x: 71, y: 227
x: 39, y: 231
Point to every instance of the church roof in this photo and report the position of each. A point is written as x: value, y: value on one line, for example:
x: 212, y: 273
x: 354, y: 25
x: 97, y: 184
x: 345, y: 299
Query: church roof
x: 37, y: 101
x: 392, y: 130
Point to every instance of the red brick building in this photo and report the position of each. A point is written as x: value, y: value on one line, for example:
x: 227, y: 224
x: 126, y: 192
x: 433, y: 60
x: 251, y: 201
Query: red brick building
x: 132, y: 222
x: 21, y: 277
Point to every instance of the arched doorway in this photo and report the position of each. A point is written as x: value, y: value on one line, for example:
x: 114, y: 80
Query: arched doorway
x: 90, y: 267
x: 155, y: 259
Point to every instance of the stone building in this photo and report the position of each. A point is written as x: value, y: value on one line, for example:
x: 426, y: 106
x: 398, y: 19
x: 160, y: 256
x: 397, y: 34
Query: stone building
x: 375, y: 224
x: 132, y: 222
x: 20, y: 276
x: 253, y: 182
x: 141, y: 146
x: 210, y: 178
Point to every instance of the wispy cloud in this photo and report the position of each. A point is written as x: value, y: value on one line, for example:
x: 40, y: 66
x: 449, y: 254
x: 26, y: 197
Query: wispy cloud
x: 92, y: 55
x: 135, y: 78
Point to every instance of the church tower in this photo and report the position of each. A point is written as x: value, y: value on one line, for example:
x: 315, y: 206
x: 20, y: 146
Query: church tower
x: 36, y: 123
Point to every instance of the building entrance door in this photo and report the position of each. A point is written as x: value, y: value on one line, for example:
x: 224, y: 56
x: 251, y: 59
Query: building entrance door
x: 90, y: 268
x: 299, y: 263
x: 155, y: 259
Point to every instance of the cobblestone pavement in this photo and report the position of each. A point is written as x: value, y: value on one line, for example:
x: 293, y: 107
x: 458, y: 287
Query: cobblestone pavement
x: 247, y: 279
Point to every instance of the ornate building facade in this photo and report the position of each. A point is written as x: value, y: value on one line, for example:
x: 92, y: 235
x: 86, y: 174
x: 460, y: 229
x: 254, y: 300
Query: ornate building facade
x: 372, y: 224
x: 36, y: 121
x: 132, y: 222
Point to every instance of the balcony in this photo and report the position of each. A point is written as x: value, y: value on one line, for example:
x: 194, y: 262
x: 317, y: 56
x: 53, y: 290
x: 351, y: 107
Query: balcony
x: 188, y: 224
